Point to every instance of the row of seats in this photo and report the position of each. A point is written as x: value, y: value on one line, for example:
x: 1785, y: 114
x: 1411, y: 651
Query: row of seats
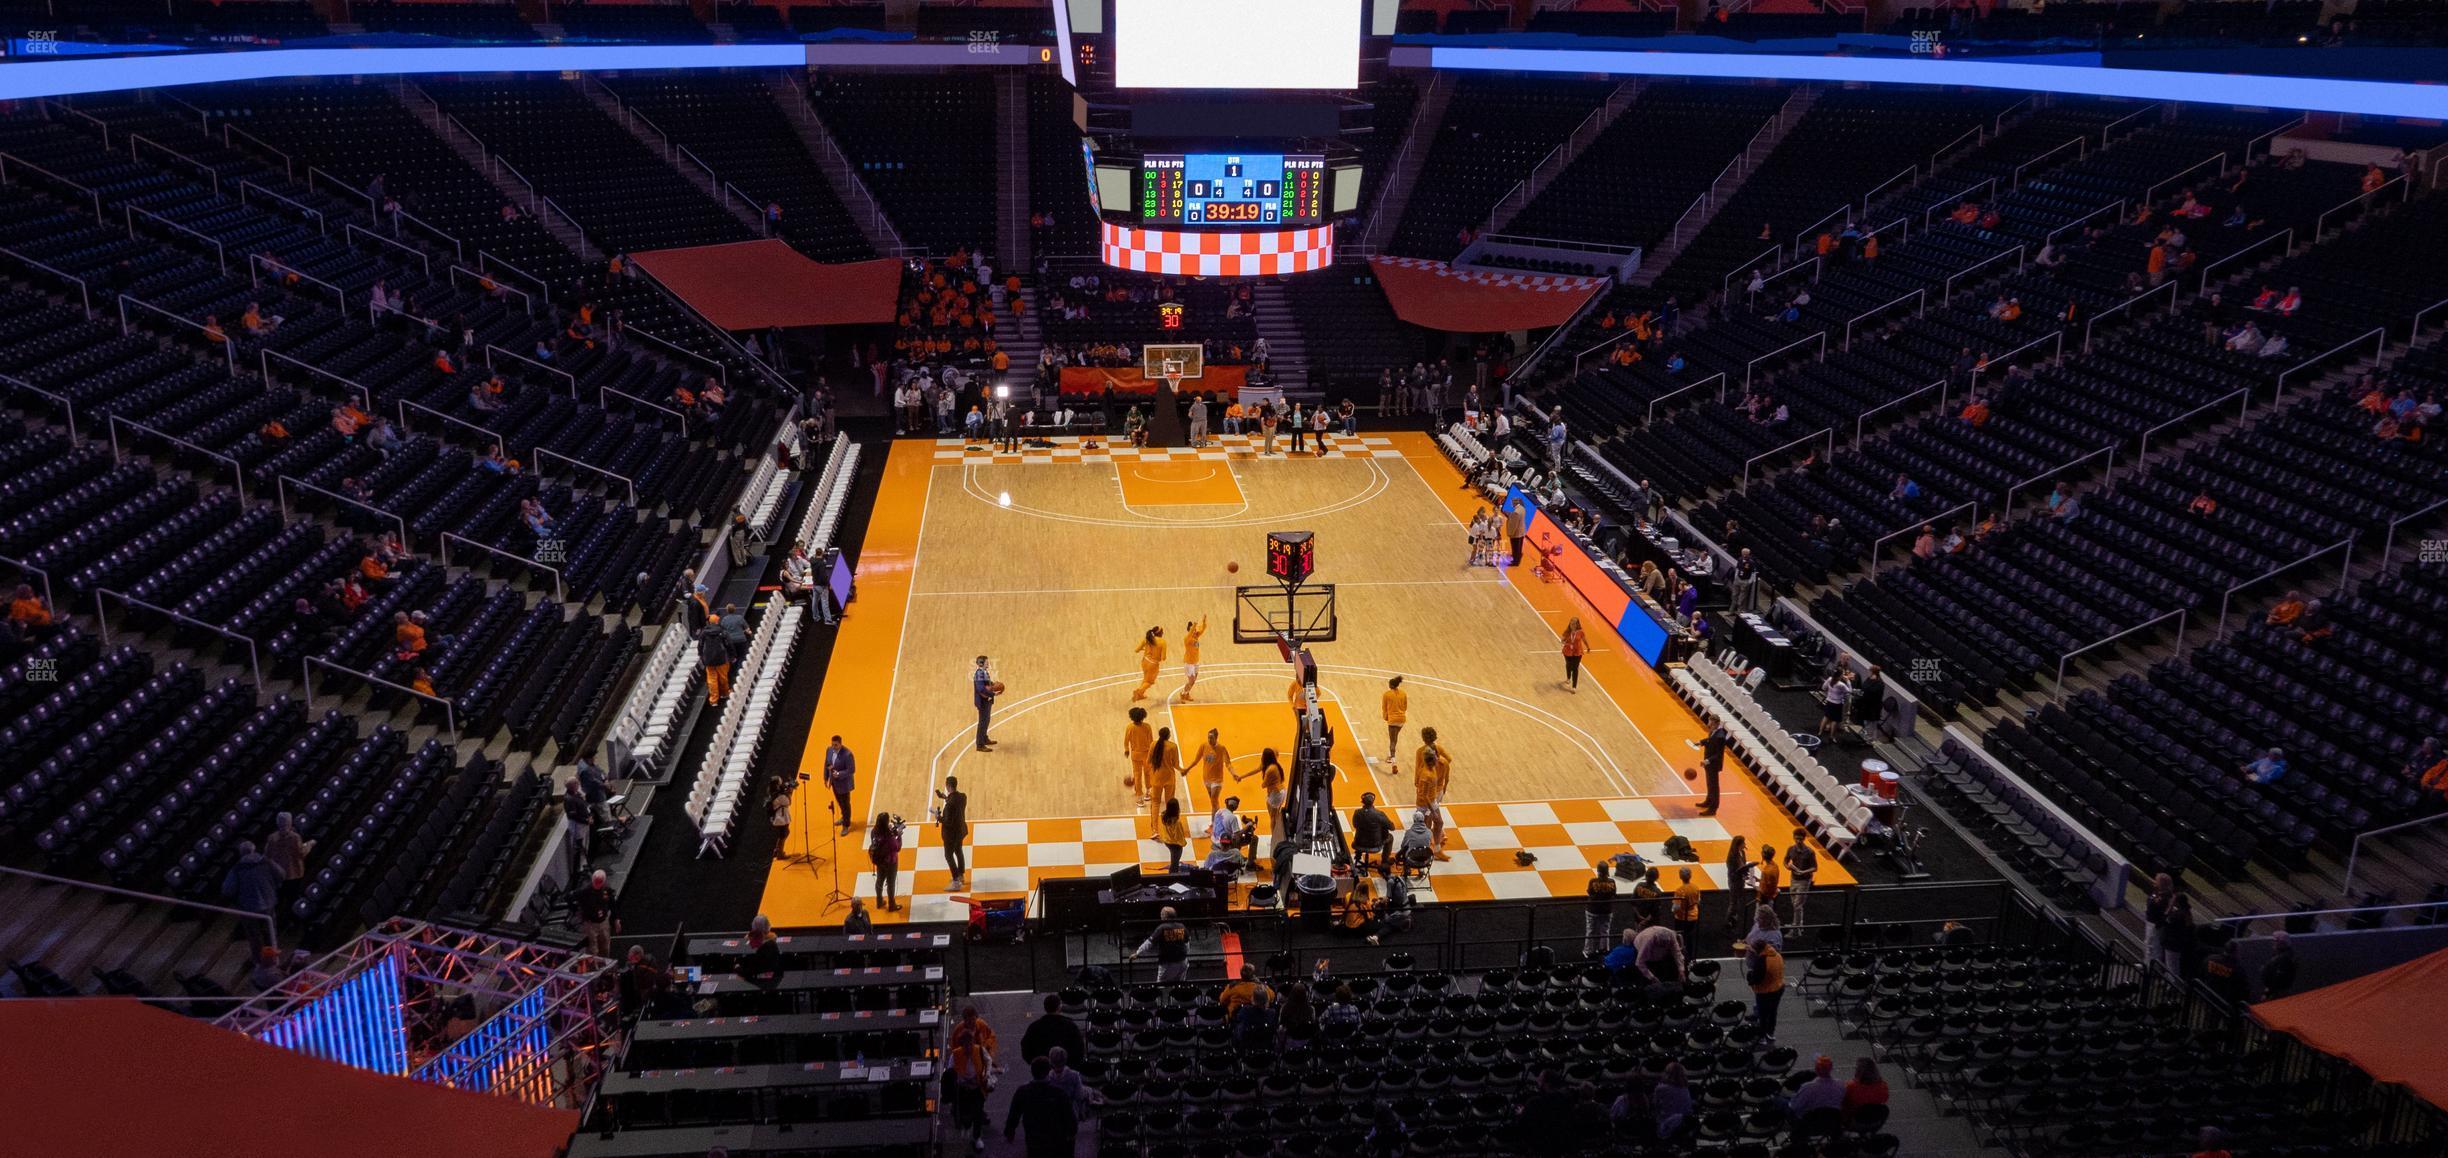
x: 1790, y: 773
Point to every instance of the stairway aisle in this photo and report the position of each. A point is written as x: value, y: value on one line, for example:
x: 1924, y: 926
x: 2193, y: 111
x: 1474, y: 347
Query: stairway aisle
x: 1287, y: 354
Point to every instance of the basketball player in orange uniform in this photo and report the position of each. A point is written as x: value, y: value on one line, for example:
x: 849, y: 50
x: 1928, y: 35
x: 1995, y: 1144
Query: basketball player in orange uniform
x: 1190, y: 655
x: 1212, y: 761
x: 1429, y: 778
x: 1137, y: 739
x: 1164, y: 771
x: 1151, y: 651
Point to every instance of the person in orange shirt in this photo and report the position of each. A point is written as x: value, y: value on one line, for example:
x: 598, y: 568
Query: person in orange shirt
x: 2287, y: 611
x: 1212, y: 761
x: 1430, y: 778
x: 2156, y: 264
x: 422, y: 683
x: 407, y: 636
x: 27, y: 610
x: 1162, y: 775
x: 212, y: 330
x: 1395, y: 706
x: 1002, y: 361
x: 1190, y: 654
x: 1870, y: 248
x: 1137, y: 739
x: 1151, y: 651
x: 970, y: 1054
x: 1976, y: 413
x: 1576, y: 645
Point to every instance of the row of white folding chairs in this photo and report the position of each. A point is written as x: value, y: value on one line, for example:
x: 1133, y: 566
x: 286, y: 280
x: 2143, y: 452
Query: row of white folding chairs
x: 728, y: 773
x: 1819, y: 786
x: 650, y: 717
x: 1822, y: 787
x: 1783, y: 768
x: 829, y: 511
x: 832, y: 480
x: 762, y: 497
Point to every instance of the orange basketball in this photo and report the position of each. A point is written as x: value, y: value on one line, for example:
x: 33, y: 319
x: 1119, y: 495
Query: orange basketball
x: 1691, y: 774
x: 1232, y: 568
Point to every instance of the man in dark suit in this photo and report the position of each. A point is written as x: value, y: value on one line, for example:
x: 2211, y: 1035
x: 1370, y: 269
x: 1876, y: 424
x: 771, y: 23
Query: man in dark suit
x: 982, y: 691
x: 1712, y: 763
x: 953, y: 821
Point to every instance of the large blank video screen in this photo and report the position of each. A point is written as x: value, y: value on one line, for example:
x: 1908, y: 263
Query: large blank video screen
x: 1277, y: 44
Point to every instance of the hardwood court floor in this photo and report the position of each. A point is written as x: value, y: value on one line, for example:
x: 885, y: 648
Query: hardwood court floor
x: 1054, y: 563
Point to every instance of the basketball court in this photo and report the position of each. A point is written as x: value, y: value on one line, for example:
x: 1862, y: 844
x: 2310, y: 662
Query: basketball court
x: 1053, y: 562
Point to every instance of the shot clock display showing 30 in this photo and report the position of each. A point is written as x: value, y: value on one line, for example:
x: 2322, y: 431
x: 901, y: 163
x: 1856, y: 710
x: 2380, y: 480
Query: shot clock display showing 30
x: 1231, y: 189
x: 1291, y: 556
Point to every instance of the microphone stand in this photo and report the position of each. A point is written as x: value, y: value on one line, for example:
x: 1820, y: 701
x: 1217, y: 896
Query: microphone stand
x: 808, y: 858
x: 835, y: 895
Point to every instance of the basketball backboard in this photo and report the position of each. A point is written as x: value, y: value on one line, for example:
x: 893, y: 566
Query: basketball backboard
x: 1160, y: 361
x: 1273, y: 613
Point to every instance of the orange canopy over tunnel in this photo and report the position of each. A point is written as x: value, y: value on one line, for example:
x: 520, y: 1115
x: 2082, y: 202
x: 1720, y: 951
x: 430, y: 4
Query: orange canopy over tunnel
x: 750, y: 285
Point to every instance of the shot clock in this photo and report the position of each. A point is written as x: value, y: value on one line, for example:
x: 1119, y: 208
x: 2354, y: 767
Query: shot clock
x: 1291, y: 556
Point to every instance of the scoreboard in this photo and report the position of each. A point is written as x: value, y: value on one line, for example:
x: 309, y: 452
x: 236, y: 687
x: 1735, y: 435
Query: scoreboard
x: 1232, y: 189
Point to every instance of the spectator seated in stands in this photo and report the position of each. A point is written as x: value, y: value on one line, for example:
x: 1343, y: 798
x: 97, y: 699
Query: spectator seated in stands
x: 539, y: 522
x: 407, y: 636
x: 2274, y: 347
x: 1822, y: 1092
x: 2202, y: 505
x: 2287, y: 611
x: 2269, y: 768
x: 29, y: 617
x: 256, y: 324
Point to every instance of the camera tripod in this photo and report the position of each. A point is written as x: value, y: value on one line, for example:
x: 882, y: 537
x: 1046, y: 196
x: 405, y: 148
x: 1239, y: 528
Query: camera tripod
x: 833, y: 895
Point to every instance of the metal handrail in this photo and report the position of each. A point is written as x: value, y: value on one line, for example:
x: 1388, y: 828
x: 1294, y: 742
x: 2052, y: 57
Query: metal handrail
x: 452, y: 273
x: 602, y: 391
x: 712, y: 179
x: 2355, y: 853
x: 1725, y: 288
x: 271, y: 919
x: 2321, y: 224
x: 1998, y: 125
x: 1950, y: 201
x: 1910, y: 172
x: 492, y: 438
x: 541, y: 453
x: 638, y: 118
x: 322, y: 226
x: 1812, y: 230
x: 102, y: 615
x: 450, y: 711
x: 2286, y: 235
x: 80, y: 114
x: 486, y: 261
x: 2388, y: 544
x: 1753, y: 364
x: 1861, y: 420
x: 584, y: 245
x: 402, y: 216
x: 2345, y: 571
x: 2381, y: 350
x: 209, y: 172
x: 491, y: 349
x: 2082, y: 145
x: 8, y: 158
x: 2143, y: 451
x: 2057, y: 691
x: 2122, y: 306
x: 1719, y: 378
x: 84, y: 292
x: 255, y: 260
x: 2111, y: 127
x: 220, y: 252
x: 1556, y: 242
x: 2422, y: 313
x: 2271, y: 137
x: 2006, y: 504
x: 722, y: 370
x: 1883, y: 307
x: 1410, y: 139
x: 265, y: 354
x: 450, y: 536
x: 1947, y: 292
x: 2058, y: 351
x: 373, y: 208
x: 62, y: 399
x: 499, y: 165
x: 375, y: 310
x: 2116, y: 207
x: 2152, y: 194
x: 1980, y: 133
x: 282, y: 483
x: 1901, y: 224
x: 288, y: 163
x: 229, y: 349
x: 112, y: 423
x: 423, y: 259
x: 1828, y: 433
x: 1878, y: 545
